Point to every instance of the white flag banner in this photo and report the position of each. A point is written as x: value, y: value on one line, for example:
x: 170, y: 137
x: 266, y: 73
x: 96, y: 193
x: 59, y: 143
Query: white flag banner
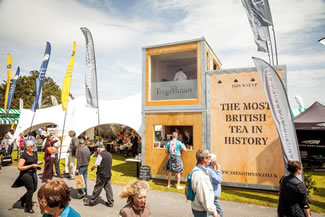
x: 91, y: 76
x: 259, y: 17
x: 322, y: 41
x: 21, y: 104
x: 280, y: 109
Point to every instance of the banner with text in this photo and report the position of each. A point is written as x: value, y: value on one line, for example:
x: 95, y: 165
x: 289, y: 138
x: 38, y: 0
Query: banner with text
x: 243, y: 133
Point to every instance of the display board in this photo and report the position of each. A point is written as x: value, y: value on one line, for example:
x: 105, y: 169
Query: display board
x: 242, y: 132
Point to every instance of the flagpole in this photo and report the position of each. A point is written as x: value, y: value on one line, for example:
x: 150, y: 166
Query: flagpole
x: 271, y: 51
x: 65, y: 116
x: 275, y: 48
x: 268, y: 51
x: 30, y: 129
x: 97, y: 103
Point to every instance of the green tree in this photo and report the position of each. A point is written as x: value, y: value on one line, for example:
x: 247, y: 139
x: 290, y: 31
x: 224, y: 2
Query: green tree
x: 26, y: 89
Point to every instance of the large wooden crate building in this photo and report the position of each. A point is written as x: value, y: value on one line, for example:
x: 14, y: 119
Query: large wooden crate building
x: 225, y: 111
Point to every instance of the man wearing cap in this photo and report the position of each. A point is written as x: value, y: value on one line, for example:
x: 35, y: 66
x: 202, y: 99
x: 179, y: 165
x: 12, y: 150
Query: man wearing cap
x: 216, y: 179
x: 72, y: 153
x: 203, y: 204
x: 103, y: 177
x: 83, y: 158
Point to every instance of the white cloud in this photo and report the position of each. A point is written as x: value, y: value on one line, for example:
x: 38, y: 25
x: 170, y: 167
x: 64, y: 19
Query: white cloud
x: 119, y: 37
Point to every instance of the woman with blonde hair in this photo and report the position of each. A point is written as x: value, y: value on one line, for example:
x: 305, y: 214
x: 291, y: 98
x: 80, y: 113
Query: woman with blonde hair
x: 136, y: 194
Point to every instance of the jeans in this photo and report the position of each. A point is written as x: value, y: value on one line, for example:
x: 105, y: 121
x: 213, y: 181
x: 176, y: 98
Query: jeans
x: 218, y: 206
x: 57, y: 165
x: 10, y: 149
x: 83, y: 171
x: 197, y: 213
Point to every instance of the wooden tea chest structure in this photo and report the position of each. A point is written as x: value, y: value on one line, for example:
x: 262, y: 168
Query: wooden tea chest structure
x: 224, y: 111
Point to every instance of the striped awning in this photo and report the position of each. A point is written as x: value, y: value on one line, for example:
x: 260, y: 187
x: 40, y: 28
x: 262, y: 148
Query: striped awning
x: 12, y: 117
x: 8, y: 121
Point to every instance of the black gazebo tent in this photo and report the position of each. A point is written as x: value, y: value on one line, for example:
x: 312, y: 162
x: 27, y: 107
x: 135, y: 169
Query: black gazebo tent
x: 312, y: 118
x: 310, y: 128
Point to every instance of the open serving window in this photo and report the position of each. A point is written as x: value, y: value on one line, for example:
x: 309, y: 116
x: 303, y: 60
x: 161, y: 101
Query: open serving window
x: 174, y: 76
x: 163, y: 134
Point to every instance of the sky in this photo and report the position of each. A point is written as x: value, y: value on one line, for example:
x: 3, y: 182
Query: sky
x: 121, y: 28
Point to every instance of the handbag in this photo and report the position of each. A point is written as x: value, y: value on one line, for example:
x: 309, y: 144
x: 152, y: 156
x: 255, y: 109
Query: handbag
x: 52, y: 150
x: 80, y: 182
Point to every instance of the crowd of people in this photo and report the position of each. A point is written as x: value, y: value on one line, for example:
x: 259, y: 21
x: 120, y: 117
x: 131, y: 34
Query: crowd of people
x: 54, y: 195
x: 205, y: 181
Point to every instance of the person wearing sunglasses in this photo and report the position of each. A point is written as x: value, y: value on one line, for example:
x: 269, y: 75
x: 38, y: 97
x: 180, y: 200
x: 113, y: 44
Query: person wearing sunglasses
x: 27, y: 166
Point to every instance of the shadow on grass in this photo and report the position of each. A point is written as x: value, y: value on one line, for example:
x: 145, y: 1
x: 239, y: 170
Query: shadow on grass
x: 240, y: 193
x: 319, y: 192
x: 123, y: 167
x: 126, y: 169
x: 319, y: 204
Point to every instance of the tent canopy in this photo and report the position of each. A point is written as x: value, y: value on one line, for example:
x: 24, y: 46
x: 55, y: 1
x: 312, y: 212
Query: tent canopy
x: 80, y: 116
x: 312, y: 118
x: 12, y: 116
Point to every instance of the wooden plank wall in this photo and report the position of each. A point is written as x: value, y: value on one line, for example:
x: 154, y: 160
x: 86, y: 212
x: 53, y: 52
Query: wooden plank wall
x: 260, y: 160
x: 167, y: 50
x: 156, y: 158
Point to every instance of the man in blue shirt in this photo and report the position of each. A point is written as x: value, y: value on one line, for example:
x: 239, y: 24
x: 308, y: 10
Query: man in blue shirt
x: 216, y: 179
x: 175, y: 163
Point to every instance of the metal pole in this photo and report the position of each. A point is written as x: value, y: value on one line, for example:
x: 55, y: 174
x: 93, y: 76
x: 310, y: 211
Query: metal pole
x: 268, y: 52
x: 97, y: 103
x: 65, y: 116
x: 275, y: 48
x: 272, y: 52
x: 30, y: 129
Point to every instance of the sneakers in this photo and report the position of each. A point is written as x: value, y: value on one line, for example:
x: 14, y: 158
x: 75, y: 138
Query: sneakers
x: 108, y: 204
x: 179, y: 187
x: 79, y: 196
x: 168, y: 186
x: 87, y: 202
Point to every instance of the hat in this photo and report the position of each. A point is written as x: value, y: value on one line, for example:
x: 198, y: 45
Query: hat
x: 29, y: 143
x: 213, y: 158
x: 202, y: 153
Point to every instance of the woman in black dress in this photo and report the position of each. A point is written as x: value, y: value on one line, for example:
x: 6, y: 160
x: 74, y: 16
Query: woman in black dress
x: 293, y: 200
x: 27, y: 177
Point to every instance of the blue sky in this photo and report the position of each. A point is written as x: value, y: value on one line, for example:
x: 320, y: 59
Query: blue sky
x: 120, y: 29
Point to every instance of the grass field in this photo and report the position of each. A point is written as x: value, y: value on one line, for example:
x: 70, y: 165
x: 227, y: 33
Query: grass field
x: 123, y: 172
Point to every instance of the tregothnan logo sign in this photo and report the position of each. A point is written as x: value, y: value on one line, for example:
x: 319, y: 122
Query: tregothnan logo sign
x: 174, y: 90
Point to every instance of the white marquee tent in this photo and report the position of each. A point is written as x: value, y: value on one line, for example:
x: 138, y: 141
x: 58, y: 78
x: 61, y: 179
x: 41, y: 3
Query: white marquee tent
x: 81, y: 117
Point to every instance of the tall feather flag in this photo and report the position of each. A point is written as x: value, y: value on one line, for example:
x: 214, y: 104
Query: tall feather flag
x: 12, y: 88
x: 41, y: 75
x: 259, y: 17
x: 54, y: 100
x: 280, y: 109
x: 21, y: 104
x: 9, y: 69
x: 91, y: 74
x: 67, y: 80
x: 322, y: 40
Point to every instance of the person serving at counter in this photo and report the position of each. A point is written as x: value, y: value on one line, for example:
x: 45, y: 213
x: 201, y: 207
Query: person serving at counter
x: 175, y: 163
